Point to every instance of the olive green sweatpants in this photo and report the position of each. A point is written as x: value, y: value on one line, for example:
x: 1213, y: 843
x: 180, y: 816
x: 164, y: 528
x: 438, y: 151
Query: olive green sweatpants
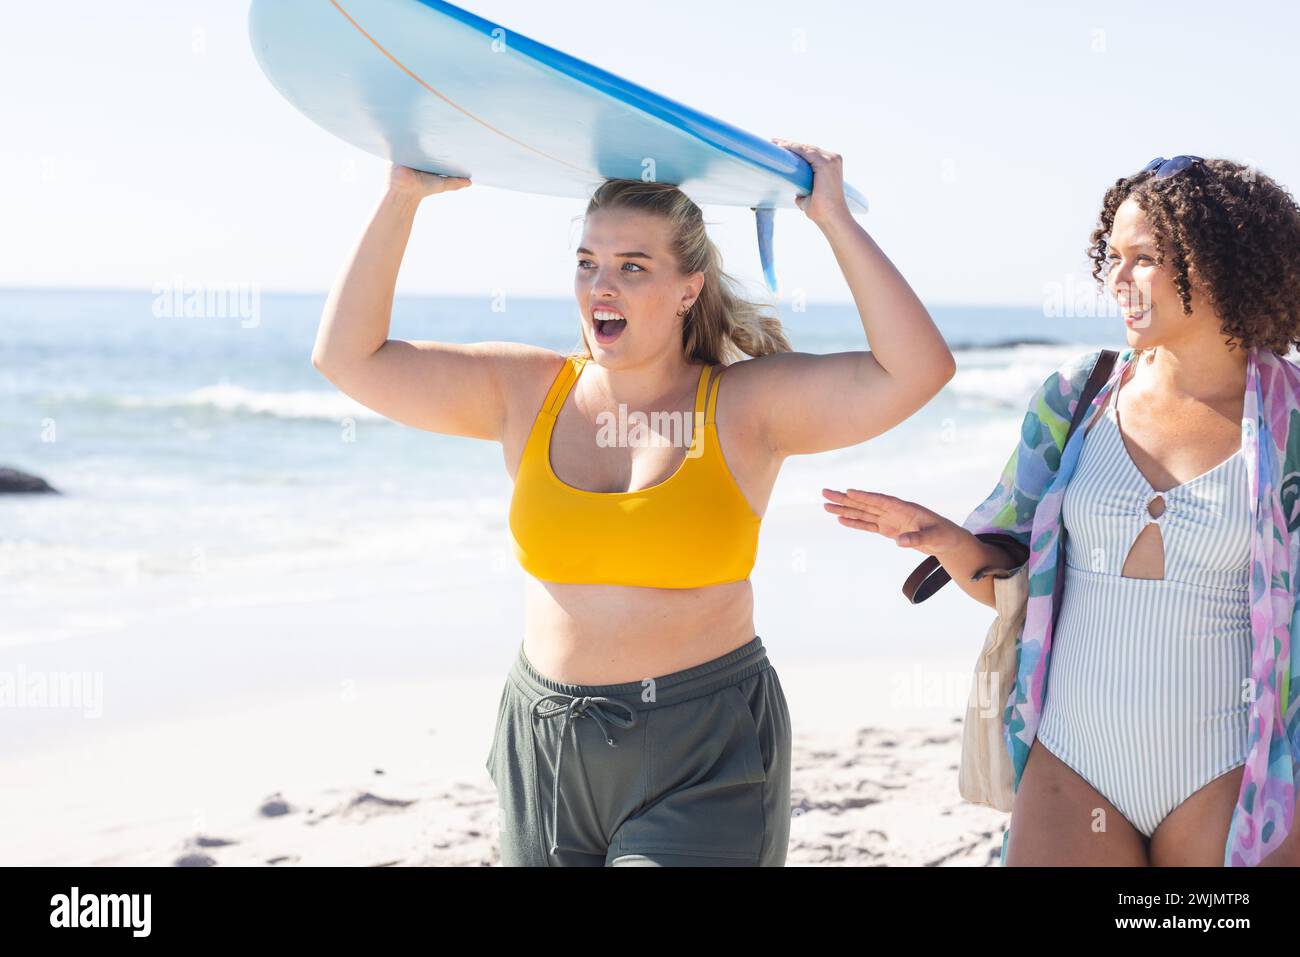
x: 689, y: 768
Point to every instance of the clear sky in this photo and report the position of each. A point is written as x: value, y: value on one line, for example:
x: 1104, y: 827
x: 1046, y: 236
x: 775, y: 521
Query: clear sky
x: 140, y: 142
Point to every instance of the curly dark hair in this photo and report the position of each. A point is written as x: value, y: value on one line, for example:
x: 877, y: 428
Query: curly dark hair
x: 1233, y: 229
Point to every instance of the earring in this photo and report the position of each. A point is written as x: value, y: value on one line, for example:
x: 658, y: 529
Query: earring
x: 682, y: 314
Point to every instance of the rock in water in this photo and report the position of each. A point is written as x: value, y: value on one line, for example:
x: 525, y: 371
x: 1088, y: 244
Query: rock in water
x: 13, y: 480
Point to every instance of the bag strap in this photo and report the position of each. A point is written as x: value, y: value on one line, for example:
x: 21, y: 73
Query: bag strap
x: 929, y: 576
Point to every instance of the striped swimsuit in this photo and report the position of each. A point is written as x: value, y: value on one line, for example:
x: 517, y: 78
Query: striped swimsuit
x: 1147, y: 688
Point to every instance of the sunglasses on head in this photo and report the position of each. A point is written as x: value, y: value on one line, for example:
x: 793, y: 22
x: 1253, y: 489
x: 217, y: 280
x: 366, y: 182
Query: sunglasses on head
x: 1164, y: 168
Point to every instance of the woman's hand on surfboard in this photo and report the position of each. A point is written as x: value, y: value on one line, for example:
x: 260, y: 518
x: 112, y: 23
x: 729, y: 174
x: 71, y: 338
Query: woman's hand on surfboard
x: 908, y: 524
x: 403, y: 179
x: 827, y: 199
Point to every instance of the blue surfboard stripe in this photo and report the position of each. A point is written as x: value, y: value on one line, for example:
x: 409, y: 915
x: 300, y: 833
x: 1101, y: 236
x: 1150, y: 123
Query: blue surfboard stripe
x: 717, y: 133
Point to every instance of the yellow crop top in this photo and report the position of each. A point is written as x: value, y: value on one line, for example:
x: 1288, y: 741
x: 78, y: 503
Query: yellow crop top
x: 693, y: 529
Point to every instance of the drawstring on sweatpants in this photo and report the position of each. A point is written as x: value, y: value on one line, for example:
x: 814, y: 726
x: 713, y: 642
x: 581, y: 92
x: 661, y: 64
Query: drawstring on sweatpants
x: 576, y: 707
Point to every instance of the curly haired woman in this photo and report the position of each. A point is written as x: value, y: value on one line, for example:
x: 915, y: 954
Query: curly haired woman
x: 640, y: 612
x: 1169, y: 732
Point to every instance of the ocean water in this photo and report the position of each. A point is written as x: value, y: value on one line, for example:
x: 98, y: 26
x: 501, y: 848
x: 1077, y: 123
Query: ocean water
x: 201, y: 443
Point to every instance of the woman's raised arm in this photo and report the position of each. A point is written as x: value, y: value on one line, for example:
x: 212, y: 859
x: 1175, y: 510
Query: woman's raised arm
x: 452, y: 388
x: 814, y: 403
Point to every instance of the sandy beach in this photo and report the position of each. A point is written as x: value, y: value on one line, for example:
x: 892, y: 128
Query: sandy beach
x: 269, y: 788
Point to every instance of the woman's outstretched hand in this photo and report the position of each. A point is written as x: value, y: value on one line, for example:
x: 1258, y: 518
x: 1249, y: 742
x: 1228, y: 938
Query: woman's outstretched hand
x: 908, y: 524
x: 827, y: 199
x: 403, y: 179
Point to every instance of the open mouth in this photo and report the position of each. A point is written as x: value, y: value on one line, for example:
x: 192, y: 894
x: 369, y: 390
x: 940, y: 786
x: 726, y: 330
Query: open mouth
x: 609, y: 325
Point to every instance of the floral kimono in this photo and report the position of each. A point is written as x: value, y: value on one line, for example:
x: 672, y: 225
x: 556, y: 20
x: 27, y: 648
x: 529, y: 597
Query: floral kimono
x: 1027, y: 505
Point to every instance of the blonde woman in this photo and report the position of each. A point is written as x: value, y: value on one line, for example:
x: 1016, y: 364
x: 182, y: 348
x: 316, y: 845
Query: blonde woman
x: 639, y: 614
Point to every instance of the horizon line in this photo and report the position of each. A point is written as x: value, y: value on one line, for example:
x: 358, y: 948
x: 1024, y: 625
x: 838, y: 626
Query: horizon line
x: 142, y: 290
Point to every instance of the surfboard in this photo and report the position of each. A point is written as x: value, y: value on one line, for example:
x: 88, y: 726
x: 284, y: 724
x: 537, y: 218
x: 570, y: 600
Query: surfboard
x: 426, y: 84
